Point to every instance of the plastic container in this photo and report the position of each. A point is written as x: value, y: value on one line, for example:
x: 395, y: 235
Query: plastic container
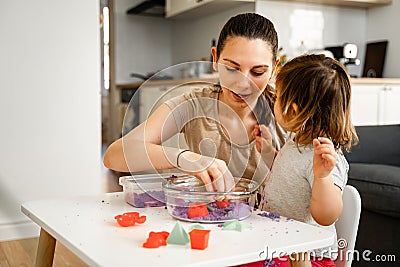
x: 187, y: 200
x: 146, y: 190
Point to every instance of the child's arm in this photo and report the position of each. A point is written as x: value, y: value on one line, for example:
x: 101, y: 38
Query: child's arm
x: 326, y: 198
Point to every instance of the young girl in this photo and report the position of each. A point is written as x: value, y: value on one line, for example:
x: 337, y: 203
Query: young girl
x: 310, y: 171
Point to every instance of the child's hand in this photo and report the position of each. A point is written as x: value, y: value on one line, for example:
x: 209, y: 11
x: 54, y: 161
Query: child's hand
x: 264, y: 143
x: 324, y: 157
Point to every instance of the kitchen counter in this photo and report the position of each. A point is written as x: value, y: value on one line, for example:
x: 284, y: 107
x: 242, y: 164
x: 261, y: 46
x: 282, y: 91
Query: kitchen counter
x: 375, y: 81
x: 371, y: 81
x: 168, y: 82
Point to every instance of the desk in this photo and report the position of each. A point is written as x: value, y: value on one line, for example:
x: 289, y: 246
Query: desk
x: 86, y: 226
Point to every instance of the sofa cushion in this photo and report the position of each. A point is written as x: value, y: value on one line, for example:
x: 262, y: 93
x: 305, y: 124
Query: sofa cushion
x: 379, y: 187
x: 377, y: 144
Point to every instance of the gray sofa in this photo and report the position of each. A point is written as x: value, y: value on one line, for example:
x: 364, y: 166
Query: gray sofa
x: 375, y: 172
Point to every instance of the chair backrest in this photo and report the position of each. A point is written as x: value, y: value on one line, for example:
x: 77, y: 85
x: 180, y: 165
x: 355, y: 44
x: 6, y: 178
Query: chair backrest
x: 347, y: 226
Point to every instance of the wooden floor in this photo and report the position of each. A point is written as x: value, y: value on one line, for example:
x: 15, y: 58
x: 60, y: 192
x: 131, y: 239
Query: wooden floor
x: 23, y: 253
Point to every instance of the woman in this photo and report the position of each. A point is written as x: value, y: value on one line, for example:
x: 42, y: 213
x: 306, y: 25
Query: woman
x: 223, y: 124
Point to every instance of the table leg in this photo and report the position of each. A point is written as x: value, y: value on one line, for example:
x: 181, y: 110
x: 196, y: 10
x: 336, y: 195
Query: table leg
x: 299, y: 260
x: 45, y: 251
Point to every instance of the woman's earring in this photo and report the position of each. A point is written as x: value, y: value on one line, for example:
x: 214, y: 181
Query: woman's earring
x: 215, y: 66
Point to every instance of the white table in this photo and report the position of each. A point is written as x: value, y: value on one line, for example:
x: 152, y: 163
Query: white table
x: 86, y: 226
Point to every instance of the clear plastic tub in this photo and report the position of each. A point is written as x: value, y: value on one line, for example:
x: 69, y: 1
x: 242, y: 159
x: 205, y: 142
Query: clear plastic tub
x: 187, y: 200
x: 145, y: 190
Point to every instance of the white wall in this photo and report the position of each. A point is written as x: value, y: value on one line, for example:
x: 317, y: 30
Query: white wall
x: 191, y: 39
x: 340, y: 25
x: 383, y: 24
x: 49, y: 105
x: 142, y: 43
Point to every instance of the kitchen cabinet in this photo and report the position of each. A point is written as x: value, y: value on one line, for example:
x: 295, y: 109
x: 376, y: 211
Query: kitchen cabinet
x: 375, y: 101
x: 149, y: 100
x: 138, y: 100
x: 375, y: 104
x: 348, y: 3
x: 127, y: 112
x: 391, y: 104
x: 182, y: 9
x: 365, y: 104
x: 152, y: 97
x: 173, y: 8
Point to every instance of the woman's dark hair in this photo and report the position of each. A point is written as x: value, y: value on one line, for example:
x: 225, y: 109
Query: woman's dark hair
x: 253, y: 26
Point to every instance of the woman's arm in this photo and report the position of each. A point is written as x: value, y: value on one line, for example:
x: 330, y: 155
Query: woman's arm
x: 141, y: 149
x: 326, y: 198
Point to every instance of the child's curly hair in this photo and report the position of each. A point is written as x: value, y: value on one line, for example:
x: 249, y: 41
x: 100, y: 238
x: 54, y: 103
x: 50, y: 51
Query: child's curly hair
x: 321, y: 89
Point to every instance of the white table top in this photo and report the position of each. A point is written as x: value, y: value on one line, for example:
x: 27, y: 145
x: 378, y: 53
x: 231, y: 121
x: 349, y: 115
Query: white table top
x: 87, y: 227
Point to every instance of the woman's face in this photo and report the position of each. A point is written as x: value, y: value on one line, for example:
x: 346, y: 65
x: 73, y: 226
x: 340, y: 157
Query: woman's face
x: 245, y: 67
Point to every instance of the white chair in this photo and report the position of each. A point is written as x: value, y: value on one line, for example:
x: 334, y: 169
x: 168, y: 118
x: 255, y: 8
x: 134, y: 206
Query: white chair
x: 347, y: 226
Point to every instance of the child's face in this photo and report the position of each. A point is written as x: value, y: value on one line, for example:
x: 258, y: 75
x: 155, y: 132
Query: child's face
x: 245, y: 67
x: 278, y: 110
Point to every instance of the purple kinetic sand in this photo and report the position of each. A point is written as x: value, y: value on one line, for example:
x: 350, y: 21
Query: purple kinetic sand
x: 275, y: 216
x: 235, y: 211
x: 148, y: 199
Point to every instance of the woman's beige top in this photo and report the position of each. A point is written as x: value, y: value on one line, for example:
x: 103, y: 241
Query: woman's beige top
x: 196, y: 116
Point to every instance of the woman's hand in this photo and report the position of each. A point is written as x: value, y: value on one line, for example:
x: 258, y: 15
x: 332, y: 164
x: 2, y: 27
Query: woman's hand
x: 213, y: 172
x: 324, y: 157
x: 264, y: 143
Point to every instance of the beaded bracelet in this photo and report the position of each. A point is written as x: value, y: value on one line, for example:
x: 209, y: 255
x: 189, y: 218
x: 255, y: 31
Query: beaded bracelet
x: 177, y: 157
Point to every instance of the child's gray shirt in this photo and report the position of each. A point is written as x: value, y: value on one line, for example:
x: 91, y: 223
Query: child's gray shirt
x: 287, y: 189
